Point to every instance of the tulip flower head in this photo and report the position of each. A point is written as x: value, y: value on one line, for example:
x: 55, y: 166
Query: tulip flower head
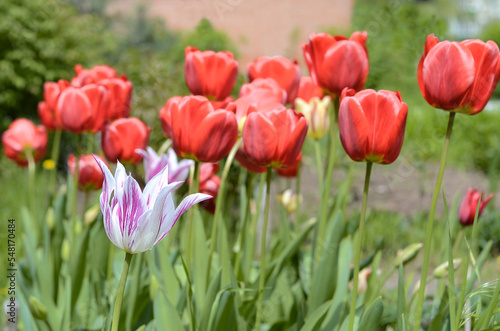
x: 336, y: 62
x: 122, y: 137
x: 82, y: 109
x: 274, y: 138
x: 22, y: 137
x: 290, y: 200
x: 316, y: 113
x: 137, y: 220
x: 459, y: 76
x: 89, y: 174
x: 284, y: 71
x: 266, y: 84
x: 469, y: 206
x: 154, y: 163
x: 92, y: 76
x: 372, y: 125
x: 120, y: 94
x: 211, y: 74
x: 197, y: 130
x: 47, y: 108
x: 308, y: 89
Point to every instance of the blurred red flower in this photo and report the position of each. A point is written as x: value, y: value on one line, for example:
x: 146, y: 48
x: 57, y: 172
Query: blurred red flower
x: 122, y: 137
x: 89, y: 174
x: 22, y: 137
x: 469, y: 206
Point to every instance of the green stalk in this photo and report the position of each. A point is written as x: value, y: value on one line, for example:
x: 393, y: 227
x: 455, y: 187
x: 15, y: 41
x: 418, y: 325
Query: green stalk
x: 55, y: 157
x: 254, y: 224
x: 319, y: 164
x: 357, y: 255
x: 297, y: 198
x: 75, y: 198
x: 430, y: 223
x: 193, y: 188
x: 218, y: 206
x: 321, y: 226
x: 31, y: 189
x: 245, y: 224
x: 263, y: 248
x: 119, y: 294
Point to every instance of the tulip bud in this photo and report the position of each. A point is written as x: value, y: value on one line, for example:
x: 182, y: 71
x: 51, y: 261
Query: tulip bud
x: 316, y: 113
x: 362, y: 280
x: 308, y: 89
x: 65, y: 250
x: 290, y: 200
x: 91, y: 214
x: 37, y: 308
x: 469, y: 206
x: 154, y: 286
x: 407, y: 254
x: 442, y: 270
x: 49, y: 218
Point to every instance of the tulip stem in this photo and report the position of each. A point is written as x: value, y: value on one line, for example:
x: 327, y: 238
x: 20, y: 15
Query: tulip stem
x: 218, y: 206
x: 31, y: 185
x: 55, y: 158
x: 263, y: 248
x: 243, y: 234
x: 194, y: 187
x: 430, y: 223
x: 119, y: 294
x: 321, y: 226
x: 297, y: 198
x: 357, y: 254
x: 319, y: 164
x: 254, y: 224
x: 75, y: 198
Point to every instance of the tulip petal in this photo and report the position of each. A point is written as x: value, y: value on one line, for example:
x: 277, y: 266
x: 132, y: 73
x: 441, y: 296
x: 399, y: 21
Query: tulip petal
x: 144, y: 235
x: 486, y: 57
x: 354, y: 129
x: 133, y: 205
x: 260, y: 140
x: 216, y: 135
x: 448, y: 73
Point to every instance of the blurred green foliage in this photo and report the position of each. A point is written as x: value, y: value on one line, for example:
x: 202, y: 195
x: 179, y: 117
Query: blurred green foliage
x: 41, y: 40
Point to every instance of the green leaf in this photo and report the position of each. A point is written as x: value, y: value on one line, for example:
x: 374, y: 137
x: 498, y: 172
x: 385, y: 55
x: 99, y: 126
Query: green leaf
x: 79, y: 267
x: 200, y: 258
x: 325, y: 277
x: 442, y: 312
x: 210, y: 296
x: 165, y: 314
x: 401, y: 310
x: 313, y: 322
x: 223, y: 316
x: 371, y: 318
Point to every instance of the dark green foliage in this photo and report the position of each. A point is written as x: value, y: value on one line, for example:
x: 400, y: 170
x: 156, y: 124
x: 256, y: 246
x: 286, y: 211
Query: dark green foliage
x: 41, y: 40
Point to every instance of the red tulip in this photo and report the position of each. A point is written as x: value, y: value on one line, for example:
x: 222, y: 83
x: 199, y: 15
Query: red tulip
x: 82, y: 109
x: 459, y: 76
x: 211, y: 74
x: 259, y: 99
x: 291, y: 171
x: 267, y: 84
x: 197, y: 130
x: 120, y: 93
x: 209, y: 184
x: 47, y: 116
x: 308, y: 90
x: 92, y: 76
x: 372, y: 125
x: 89, y: 174
x: 242, y: 158
x: 52, y: 91
x: 469, y: 206
x: 336, y: 62
x: 274, y: 138
x: 122, y: 137
x: 23, y: 136
x: 165, y: 112
x: 285, y: 72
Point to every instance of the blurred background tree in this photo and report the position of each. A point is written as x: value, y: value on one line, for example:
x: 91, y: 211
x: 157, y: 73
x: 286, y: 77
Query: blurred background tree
x: 41, y: 40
